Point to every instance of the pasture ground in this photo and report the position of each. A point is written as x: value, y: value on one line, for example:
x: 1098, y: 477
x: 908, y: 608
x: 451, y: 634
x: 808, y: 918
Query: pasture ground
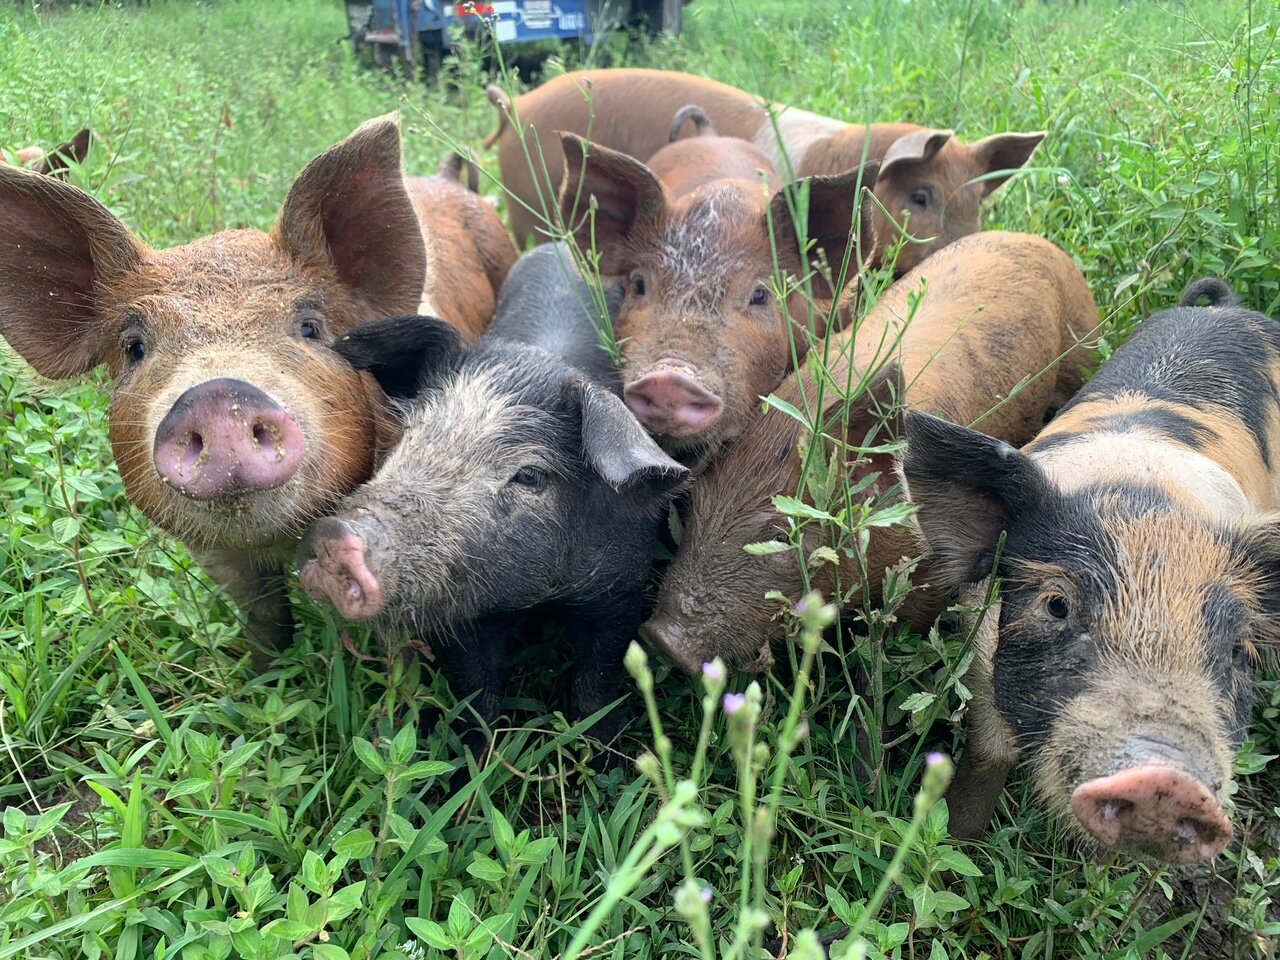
x: 164, y: 801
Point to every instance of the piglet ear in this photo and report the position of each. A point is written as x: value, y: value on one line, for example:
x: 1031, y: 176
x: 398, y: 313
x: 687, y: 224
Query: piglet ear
x: 349, y: 212
x: 59, y: 248
x: 839, y: 220
x: 908, y: 152
x: 627, y: 197
x: 1004, y: 151
x: 967, y: 487
x: 75, y: 150
x: 616, y: 446
x: 403, y: 353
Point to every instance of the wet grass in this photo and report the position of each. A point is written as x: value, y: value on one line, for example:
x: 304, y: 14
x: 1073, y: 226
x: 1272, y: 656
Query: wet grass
x: 214, y: 812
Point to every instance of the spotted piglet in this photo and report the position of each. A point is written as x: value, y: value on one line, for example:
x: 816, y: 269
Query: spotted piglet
x: 1138, y: 580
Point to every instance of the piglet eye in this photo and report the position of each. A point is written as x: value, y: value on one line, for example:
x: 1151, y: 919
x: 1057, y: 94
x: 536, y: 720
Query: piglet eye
x: 309, y: 330
x: 532, y: 477
x: 919, y: 198
x: 135, y: 350
x: 1057, y: 607
x: 637, y: 286
x: 759, y: 296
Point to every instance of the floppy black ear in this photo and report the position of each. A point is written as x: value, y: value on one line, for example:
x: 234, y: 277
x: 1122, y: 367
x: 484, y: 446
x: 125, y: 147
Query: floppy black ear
x: 966, y: 487
x: 616, y: 446
x: 402, y: 353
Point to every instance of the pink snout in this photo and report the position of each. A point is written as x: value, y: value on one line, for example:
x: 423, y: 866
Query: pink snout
x: 225, y: 437
x: 1155, y: 810
x: 671, y: 402
x: 333, y: 566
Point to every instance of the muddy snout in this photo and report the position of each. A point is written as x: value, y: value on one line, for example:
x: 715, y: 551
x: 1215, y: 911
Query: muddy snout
x: 665, y: 634
x: 1158, y: 806
x: 226, y: 437
x: 671, y: 399
x: 334, y: 565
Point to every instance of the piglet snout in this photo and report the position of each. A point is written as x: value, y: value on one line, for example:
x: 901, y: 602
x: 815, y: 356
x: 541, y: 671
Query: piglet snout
x: 670, y: 401
x: 333, y: 565
x: 1156, y: 810
x: 226, y: 437
x: 664, y: 633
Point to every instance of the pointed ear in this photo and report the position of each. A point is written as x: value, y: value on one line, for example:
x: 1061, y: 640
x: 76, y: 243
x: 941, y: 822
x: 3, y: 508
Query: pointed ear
x: 616, y: 446
x: 75, y: 150
x: 966, y: 487
x: 59, y: 248
x: 627, y: 197
x: 912, y: 149
x: 349, y: 212
x: 402, y: 353
x: 1004, y: 151
x: 836, y: 206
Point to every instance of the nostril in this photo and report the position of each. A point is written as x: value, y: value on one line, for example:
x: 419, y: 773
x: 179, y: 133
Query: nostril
x: 1114, y: 809
x: 1187, y: 833
x: 261, y: 435
x: 195, y: 447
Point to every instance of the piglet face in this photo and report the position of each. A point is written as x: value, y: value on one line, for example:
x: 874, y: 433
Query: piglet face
x: 1128, y: 627
x: 515, y: 483
x: 704, y: 331
x: 1123, y: 667
x: 931, y: 187
x: 232, y: 421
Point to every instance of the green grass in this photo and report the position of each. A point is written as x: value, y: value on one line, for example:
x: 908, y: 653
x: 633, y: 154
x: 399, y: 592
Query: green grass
x: 214, y: 813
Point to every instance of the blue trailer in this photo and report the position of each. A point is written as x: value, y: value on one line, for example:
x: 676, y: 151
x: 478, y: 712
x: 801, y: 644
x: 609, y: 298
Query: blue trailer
x: 421, y: 31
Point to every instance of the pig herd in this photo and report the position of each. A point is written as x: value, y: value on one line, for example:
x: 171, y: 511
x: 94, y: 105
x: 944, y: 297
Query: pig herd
x: 466, y: 444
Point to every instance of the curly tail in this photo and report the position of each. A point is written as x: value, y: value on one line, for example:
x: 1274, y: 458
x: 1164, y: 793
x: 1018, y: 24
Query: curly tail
x: 702, y: 125
x: 502, y: 103
x: 1213, y: 289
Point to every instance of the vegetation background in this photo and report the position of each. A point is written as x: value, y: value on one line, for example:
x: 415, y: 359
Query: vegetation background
x: 164, y: 801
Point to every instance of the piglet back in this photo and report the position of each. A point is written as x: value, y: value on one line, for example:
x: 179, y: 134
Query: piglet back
x: 545, y: 303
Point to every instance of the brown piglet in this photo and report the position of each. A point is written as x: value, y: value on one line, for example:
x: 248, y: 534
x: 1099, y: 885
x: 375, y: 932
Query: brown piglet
x: 233, y: 423
x: 976, y: 344
x: 697, y: 236
x: 929, y: 180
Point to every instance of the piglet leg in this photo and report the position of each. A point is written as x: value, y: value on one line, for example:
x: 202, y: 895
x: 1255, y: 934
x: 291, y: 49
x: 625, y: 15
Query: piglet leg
x: 257, y: 586
x: 601, y: 633
x: 474, y: 659
x: 972, y: 797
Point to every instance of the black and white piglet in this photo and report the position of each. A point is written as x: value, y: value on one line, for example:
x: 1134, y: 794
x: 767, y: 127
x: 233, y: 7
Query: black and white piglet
x: 522, y: 486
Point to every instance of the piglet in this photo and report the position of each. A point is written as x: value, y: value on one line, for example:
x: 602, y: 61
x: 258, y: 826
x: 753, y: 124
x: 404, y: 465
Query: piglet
x: 698, y: 237
x: 931, y: 183
x: 521, y: 486
x: 1138, y: 580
